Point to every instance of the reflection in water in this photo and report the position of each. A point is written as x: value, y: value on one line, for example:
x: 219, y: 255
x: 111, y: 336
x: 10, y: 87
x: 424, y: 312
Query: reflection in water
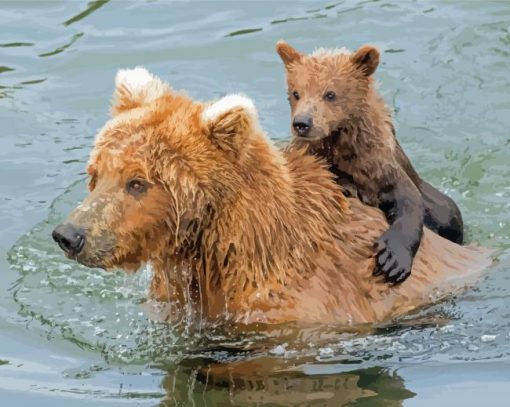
x: 16, y: 44
x: 269, y: 381
x: 62, y: 48
x: 5, y: 69
x: 92, y: 6
x: 242, y: 32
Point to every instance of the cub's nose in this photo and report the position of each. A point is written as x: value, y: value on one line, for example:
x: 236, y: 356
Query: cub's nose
x: 302, y: 125
x: 69, y: 237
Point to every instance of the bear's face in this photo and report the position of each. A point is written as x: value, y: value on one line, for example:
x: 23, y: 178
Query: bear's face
x: 326, y: 89
x: 158, y: 169
x: 130, y: 205
x: 124, y: 212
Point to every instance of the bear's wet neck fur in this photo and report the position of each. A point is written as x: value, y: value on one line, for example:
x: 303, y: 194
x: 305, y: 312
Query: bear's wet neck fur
x: 268, y: 233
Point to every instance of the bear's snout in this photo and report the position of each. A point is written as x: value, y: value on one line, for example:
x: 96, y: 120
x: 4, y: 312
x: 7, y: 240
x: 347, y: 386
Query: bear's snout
x: 302, y: 124
x: 70, y: 238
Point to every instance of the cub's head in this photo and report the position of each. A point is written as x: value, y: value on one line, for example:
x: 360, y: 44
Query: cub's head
x: 158, y: 171
x: 327, y: 89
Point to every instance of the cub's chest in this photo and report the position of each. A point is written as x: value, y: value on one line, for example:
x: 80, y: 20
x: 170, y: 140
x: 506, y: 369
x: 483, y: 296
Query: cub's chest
x: 354, y: 174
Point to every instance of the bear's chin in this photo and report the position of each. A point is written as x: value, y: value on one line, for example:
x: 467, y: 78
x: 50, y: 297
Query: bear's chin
x: 87, y: 262
x: 319, y: 135
x: 127, y: 267
x: 314, y: 138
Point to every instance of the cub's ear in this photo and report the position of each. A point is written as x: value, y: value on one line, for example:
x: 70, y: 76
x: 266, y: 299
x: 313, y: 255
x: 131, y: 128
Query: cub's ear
x: 230, y: 122
x: 367, y: 59
x: 136, y: 87
x: 287, y: 53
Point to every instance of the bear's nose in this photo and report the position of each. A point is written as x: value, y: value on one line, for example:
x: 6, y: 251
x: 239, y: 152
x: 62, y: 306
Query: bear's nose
x: 69, y: 237
x: 302, y: 125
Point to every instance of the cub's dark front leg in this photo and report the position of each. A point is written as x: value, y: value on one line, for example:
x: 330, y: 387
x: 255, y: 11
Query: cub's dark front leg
x: 442, y: 215
x: 403, y: 206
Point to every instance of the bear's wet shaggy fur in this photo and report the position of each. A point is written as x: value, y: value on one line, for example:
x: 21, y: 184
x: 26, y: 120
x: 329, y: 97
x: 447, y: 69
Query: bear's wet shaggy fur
x: 234, y: 228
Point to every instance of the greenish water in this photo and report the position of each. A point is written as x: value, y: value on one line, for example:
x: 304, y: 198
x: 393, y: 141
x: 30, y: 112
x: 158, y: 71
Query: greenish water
x: 74, y: 336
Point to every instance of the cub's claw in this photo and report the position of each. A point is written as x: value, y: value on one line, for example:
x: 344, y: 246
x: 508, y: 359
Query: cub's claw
x: 394, y: 260
x: 396, y: 276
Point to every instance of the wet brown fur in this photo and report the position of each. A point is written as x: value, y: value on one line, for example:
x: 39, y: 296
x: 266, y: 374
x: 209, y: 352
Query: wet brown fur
x: 363, y: 144
x: 237, y: 229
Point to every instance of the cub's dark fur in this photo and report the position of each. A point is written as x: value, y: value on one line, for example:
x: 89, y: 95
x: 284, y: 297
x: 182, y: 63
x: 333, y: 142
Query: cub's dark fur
x: 337, y: 114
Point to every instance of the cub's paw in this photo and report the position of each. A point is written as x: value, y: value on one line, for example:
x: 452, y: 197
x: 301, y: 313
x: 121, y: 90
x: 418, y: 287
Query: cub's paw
x: 393, y: 259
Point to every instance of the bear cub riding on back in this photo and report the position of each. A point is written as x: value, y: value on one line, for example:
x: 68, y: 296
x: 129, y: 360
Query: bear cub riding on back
x: 338, y: 114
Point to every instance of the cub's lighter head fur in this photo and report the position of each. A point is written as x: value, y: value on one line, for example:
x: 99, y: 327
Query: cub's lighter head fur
x: 329, y: 52
x: 328, y: 89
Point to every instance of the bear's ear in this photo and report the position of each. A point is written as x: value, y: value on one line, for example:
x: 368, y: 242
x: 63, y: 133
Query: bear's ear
x: 136, y: 87
x: 287, y: 53
x: 230, y: 121
x: 367, y: 59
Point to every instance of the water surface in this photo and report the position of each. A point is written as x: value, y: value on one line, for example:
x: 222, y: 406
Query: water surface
x: 74, y: 336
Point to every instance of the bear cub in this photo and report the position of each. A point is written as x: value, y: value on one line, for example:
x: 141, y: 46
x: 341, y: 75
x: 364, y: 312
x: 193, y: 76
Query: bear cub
x: 338, y: 114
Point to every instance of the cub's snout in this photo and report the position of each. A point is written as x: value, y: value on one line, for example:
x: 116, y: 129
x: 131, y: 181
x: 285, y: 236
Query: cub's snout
x: 302, y: 125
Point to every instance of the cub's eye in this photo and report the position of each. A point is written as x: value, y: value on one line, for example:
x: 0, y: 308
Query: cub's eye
x: 296, y: 95
x: 136, y: 187
x: 330, y: 95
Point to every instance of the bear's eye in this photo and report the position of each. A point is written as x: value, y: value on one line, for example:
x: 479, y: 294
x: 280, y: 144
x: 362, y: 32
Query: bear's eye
x: 136, y: 187
x: 296, y: 95
x: 330, y: 95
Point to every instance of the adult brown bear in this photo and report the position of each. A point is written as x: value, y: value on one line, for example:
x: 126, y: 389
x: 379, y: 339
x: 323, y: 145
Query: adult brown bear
x: 234, y: 228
